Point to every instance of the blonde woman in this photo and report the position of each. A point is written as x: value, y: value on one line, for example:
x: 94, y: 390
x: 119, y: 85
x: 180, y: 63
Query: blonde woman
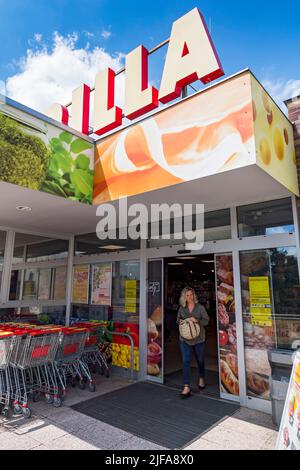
x: 190, y: 308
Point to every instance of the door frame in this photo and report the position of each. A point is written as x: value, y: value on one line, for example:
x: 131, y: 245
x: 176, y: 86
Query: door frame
x: 234, y: 246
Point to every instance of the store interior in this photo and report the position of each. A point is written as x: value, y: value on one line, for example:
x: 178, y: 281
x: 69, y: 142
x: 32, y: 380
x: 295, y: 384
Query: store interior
x: 197, y: 272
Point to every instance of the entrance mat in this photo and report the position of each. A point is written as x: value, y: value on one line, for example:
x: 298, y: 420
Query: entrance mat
x: 157, y: 413
x: 174, y: 380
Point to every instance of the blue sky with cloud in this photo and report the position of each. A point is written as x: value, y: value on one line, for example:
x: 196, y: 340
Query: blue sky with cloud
x: 48, y: 48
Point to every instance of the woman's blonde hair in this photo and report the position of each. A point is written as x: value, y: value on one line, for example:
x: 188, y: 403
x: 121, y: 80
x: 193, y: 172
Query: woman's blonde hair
x: 182, y: 300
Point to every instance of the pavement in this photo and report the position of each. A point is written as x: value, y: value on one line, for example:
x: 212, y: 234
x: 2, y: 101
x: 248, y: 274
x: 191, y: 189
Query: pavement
x: 66, y: 429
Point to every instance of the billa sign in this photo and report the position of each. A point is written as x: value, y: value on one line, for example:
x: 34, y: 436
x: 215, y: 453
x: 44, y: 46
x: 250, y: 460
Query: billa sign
x: 191, y: 56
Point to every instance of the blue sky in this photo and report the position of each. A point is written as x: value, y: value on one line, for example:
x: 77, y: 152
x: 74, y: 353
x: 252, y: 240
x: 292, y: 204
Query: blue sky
x: 262, y: 35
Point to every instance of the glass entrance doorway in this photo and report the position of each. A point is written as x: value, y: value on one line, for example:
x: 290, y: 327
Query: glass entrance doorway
x: 198, y: 273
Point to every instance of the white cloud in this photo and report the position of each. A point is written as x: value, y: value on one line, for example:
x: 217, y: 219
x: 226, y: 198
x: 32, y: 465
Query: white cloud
x: 2, y: 88
x: 49, y: 75
x: 106, y: 34
x: 281, y: 90
x: 38, y: 37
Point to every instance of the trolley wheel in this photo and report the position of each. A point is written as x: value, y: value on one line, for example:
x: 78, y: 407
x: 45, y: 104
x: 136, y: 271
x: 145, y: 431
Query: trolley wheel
x: 5, y: 412
x: 107, y: 375
x: 49, y: 399
x: 101, y: 371
x: 36, y: 396
x: 73, y: 383
x: 26, y: 412
x: 57, y: 402
x: 92, y: 387
x: 82, y: 385
x: 18, y: 409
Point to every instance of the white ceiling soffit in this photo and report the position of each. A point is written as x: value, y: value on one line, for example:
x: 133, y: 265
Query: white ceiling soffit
x: 52, y: 215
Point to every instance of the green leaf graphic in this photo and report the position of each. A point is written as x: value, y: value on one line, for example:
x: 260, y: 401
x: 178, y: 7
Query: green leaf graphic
x: 82, y: 182
x: 79, y: 145
x: 66, y: 137
x: 82, y: 162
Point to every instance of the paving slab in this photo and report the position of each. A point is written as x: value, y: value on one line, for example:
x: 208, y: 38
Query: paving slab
x: 71, y: 442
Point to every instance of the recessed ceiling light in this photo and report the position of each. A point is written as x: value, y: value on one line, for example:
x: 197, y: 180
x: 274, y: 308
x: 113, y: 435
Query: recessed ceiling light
x: 23, y: 208
x: 187, y: 257
x: 175, y: 264
x: 206, y: 261
x: 113, y: 247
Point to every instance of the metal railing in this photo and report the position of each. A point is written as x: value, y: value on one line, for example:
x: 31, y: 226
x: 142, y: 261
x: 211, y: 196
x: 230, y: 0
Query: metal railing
x: 125, y: 335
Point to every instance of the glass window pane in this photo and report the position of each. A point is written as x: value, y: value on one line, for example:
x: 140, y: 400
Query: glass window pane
x: 48, y: 251
x: 2, y: 247
x: 15, y: 284
x: 271, y: 310
x: 267, y: 218
x: 21, y: 240
x: 91, y: 245
x: 217, y: 226
x: 30, y: 284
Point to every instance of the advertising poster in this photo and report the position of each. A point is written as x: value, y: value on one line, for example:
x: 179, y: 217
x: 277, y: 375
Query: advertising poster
x: 183, y: 143
x: 274, y: 139
x: 60, y: 283
x: 228, y: 354
x: 130, y: 296
x: 289, y: 434
x: 258, y: 328
x: 260, y: 301
x: 44, y: 291
x: 81, y: 275
x: 30, y: 284
x: 102, y: 284
x: 58, y: 162
x: 155, y: 321
x: 121, y: 346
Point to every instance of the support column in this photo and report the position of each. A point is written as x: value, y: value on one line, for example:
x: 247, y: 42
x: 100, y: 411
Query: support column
x: 69, y: 280
x: 6, y: 273
x: 143, y: 311
x: 240, y: 328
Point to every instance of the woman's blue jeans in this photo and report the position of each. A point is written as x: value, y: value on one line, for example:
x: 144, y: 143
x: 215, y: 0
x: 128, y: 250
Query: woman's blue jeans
x: 186, y: 351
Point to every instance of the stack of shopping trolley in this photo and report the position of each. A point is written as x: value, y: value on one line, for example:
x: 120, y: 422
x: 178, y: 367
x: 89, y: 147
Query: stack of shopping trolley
x: 43, y: 361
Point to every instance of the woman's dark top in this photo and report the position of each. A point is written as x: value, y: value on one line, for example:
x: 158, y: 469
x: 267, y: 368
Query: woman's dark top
x: 201, y: 315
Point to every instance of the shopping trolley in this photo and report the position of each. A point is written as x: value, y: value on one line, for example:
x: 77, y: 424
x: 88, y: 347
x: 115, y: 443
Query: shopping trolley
x: 92, y: 354
x: 69, y: 363
x: 7, y: 340
x: 32, y: 365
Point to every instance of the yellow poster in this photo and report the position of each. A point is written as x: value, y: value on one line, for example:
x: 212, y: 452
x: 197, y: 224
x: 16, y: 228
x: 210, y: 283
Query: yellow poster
x: 130, y: 296
x: 260, y: 301
x: 81, y: 284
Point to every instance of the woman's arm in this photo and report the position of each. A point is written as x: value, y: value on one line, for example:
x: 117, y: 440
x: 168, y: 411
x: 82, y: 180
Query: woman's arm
x: 179, y: 315
x: 204, y: 318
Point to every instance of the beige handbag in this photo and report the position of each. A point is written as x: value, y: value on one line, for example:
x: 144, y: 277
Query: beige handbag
x: 189, y: 330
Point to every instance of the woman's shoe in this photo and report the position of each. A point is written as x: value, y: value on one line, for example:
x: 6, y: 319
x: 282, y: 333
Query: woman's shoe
x: 186, y: 395
x: 202, y: 387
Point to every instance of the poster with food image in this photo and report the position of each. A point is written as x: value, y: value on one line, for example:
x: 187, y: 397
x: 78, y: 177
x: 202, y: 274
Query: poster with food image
x: 274, y: 139
x: 40, y: 156
x: 155, y: 321
x: 258, y: 321
x: 44, y: 290
x: 60, y: 283
x: 121, y: 345
x: 102, y: 284
x: 210, y: 133
x: 228, y: 354
x: 81, y: 276
x: 289, y: 433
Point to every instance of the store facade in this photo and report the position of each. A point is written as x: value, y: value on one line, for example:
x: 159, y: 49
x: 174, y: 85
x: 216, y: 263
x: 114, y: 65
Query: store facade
x: 228, y: 147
